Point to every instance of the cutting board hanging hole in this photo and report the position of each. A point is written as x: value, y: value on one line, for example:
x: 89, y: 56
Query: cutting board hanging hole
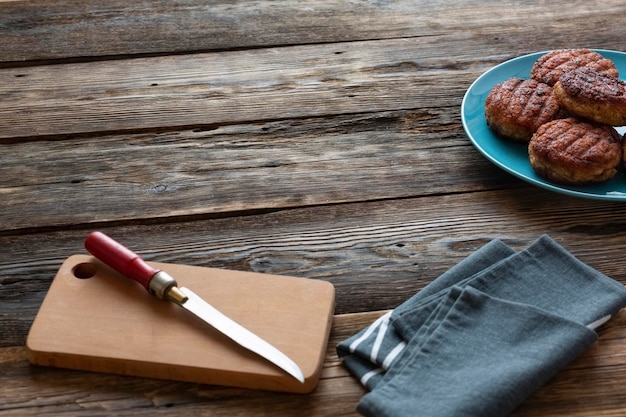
x: 85, y: 270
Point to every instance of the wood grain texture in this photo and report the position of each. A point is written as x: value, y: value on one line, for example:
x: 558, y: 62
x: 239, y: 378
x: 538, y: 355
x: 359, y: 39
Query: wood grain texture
x: 579, y: 390
x: 337, y: 394
x: 310, y: 162
x: 377, y: 254
x: 316, y: 139
x: 232, y: 87
x: 41, y: 30
x: 237, y: 86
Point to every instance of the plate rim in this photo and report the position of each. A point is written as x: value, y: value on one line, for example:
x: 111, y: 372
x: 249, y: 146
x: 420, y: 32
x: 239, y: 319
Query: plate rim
x: 563, y: 189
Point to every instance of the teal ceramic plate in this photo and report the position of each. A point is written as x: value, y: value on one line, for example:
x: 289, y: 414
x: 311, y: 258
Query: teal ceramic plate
x: 513, y: 157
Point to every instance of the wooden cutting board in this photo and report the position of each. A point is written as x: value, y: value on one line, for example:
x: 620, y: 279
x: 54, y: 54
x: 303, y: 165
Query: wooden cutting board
x: 93, y: 319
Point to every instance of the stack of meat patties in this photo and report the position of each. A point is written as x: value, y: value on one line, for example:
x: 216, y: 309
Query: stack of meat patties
x: 566, y: 112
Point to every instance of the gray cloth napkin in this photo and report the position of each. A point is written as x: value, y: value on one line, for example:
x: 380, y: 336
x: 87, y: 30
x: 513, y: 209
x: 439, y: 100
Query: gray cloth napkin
x: 369, y: 353
x: 482, y: 337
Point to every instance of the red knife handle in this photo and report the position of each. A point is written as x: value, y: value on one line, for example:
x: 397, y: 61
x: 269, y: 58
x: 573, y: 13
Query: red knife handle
x: 128, y: 263
x: 120, y: 258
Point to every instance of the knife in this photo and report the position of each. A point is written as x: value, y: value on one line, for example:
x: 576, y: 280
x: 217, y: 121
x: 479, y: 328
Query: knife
x: 163, y: 286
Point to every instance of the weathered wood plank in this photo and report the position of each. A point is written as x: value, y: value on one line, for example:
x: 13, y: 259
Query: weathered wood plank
x: 162, y: 122
x: 232, y: 87
x: 595, y: 381
x: 376, y: 254
x: 239, y: 168
x: 239, y: 86
x: 43, y: 30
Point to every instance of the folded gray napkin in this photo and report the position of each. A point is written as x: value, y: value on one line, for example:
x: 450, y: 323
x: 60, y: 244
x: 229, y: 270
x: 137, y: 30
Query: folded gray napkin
x: 483, y: 336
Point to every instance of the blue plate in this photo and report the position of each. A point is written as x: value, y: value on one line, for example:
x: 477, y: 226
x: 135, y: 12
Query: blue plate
x: 513, y: 157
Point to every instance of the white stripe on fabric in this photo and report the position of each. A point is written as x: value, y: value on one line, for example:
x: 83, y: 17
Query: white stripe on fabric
x: 368, y: 332
x: 393, y: 354
x: 366, y: 377
x: 599, y: 322
x: 382, y: 331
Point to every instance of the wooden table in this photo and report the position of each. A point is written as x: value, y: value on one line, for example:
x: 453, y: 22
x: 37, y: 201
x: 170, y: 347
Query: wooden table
x: 318, y: 139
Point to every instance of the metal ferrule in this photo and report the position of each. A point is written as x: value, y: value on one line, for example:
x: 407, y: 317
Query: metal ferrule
x: 160, y: 284
x: 164, y: 287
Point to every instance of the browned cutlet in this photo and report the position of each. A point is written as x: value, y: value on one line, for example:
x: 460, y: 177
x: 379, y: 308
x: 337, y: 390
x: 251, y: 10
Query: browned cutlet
x: 551, y: 66
x: 515, y: 108
x: 592, y: 95
x: 572, y: 151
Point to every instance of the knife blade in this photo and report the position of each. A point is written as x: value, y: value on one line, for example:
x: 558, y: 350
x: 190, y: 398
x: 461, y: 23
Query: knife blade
x: 163, y: 286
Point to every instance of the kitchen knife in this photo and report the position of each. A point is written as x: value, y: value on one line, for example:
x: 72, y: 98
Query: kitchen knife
x: 163, y: 286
